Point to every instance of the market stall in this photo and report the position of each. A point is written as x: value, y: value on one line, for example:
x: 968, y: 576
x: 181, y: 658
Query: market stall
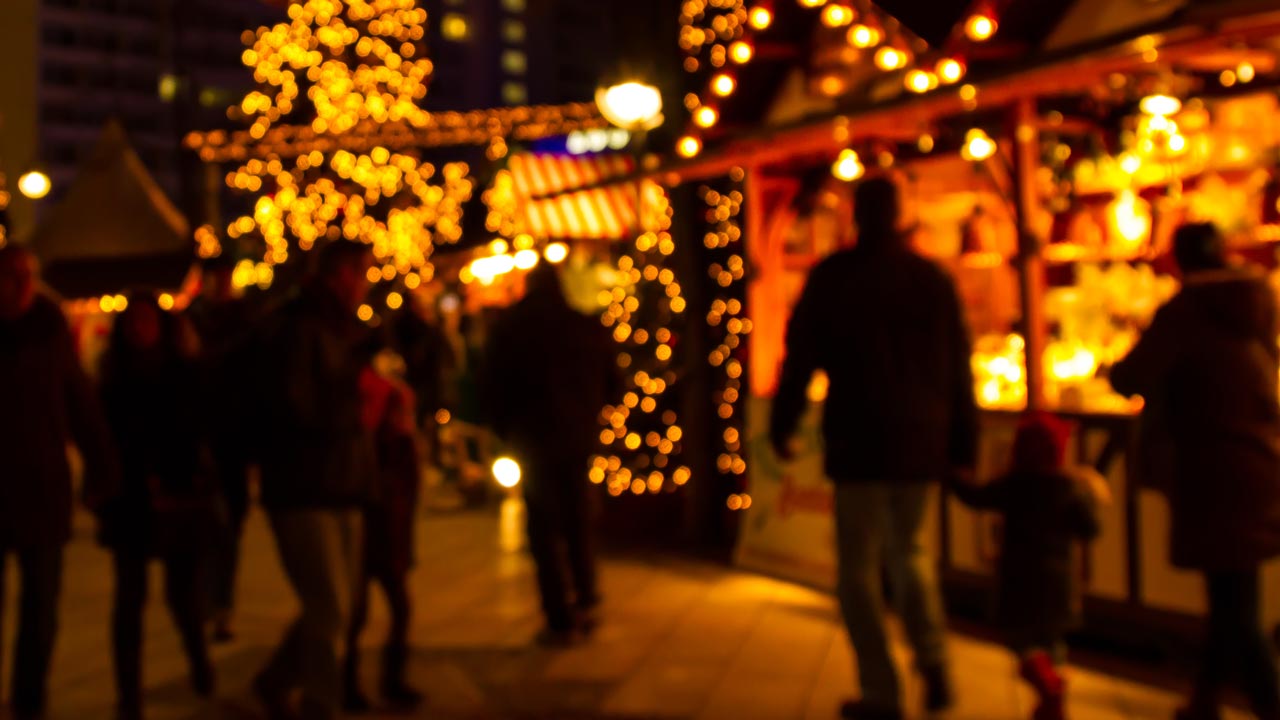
x: 1046, y: 157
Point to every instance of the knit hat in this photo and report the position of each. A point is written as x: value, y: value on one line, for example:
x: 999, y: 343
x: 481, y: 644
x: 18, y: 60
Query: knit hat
x: 1041, y: 442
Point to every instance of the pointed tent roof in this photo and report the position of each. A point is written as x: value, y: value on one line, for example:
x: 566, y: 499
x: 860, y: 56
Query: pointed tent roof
x: 115, y: 228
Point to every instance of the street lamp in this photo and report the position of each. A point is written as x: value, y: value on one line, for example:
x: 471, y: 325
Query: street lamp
x: 632, y: 106
x: 35, y: 184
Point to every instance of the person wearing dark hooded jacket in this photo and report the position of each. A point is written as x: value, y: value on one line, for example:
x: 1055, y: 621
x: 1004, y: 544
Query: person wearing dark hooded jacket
x: 46, y: 402
x: 1207, y: 369
x: 549, y: 372
x: 166, y: 508
x: 887, y: 327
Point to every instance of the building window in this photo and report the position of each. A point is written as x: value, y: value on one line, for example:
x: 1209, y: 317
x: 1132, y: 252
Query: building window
x: 455, y: 27
x: 515, y: 6
x: 515, y: 93
x: 513, y: 31
x: 515, y: 62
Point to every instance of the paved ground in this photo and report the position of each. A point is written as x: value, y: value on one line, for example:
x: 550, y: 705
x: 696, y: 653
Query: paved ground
x: 680, y: 640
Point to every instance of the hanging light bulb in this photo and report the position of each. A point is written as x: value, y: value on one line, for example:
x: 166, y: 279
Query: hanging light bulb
x: 950, y: 70
x: 1160, y: 105
x: 980, y: 27
x: 889, y: 58
x: 864, y: 36
x: 689, y: 146
x: 848, y: 166
x: 920, y: 81
x: 723, y: 84
x: 978, y: 146
x: 836, y: 15
x: 706, y: 116
x: 741, y: 52
x: 760, y: 17
x: 1246, y: 72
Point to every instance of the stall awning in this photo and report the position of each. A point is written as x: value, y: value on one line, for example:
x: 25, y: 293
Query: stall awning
x: 114, y: 229
x: 554, y: 207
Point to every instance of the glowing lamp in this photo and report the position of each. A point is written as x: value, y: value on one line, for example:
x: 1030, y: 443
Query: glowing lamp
x: 848, y: 166
x: 689, y: 146
x: 978, y: 146
x: 980, y: 27
x: 507, y: 472
x: 35, y: 184
x: 1246, y: 72
x: 741, y: 52
x: 556, y: 253
x: 950, y: 70
x: 888, y: 58
x: 706, y: 116
x: 631, y: 105
x: 526, y: 259
x: 723, y: 84
x: 760, y: 17
x: 1160, y: 105
x: 920, y: 81
x: 836, y: 15
x: 864, y: 36
x: 812, y: 3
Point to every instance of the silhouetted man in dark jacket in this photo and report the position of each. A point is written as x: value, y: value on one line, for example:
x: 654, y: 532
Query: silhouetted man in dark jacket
x: 550, y: 371
x: 1207, y: 368
x: 317, y: 471
x: 887, y: 327
x: 45, y: 403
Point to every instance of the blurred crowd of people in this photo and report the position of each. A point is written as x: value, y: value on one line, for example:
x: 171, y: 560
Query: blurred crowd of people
x: 337, y: 415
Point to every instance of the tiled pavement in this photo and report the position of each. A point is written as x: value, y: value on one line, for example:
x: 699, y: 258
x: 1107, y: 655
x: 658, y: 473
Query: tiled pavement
x: 680, y: 639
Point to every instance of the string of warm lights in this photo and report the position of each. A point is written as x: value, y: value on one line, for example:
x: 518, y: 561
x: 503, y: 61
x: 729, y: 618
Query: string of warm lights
x: 383, y: 199
x: 329, y: 179
x: 641, y: 438
x: 440, y: 129
x: 207, y: 243
x: 727, y: 322
x: 720, y: 35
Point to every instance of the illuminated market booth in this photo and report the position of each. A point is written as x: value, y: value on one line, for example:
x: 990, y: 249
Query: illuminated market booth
x: 1046, y: 155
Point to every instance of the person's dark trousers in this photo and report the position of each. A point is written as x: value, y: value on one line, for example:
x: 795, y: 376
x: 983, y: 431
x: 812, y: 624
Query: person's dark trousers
x: 184, y: 596
x: 233, y: 476
x: 396, y: 653
x: 320, y: 550
x: 561, y: 541
x: 1236, y: 648
x: 40, y: 578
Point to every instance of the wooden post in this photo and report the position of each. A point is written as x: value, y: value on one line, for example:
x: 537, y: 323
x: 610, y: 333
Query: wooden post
x: 1026, y: 160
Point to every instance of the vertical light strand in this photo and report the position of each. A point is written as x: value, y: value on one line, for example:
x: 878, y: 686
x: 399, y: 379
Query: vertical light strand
x: 641, y: 434
x: 727, y: 323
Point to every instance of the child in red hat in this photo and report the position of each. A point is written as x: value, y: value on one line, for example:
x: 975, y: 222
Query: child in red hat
x: 1047, y: 510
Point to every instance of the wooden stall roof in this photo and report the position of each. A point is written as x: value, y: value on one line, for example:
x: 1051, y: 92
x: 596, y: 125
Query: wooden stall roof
x: 1196, y: 29
x: 115, y: 227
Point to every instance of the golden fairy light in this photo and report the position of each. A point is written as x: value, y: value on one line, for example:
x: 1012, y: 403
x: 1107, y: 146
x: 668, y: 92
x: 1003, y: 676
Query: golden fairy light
x: 641, y: 440
x: 363, y: 64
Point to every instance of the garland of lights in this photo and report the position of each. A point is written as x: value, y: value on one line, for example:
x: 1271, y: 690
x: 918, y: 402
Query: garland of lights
x: 724, y: 31
x: 363, y: 61
x: 727, y: 321
x: 476, y: 127
x: 640, y: 441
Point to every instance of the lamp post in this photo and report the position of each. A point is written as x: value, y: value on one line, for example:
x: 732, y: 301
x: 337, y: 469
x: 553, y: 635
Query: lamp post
x: 34, y: 184
x: 637, y: 108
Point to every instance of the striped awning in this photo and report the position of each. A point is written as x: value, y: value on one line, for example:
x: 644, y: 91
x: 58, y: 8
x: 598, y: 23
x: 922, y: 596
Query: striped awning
x: 554, y: 209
